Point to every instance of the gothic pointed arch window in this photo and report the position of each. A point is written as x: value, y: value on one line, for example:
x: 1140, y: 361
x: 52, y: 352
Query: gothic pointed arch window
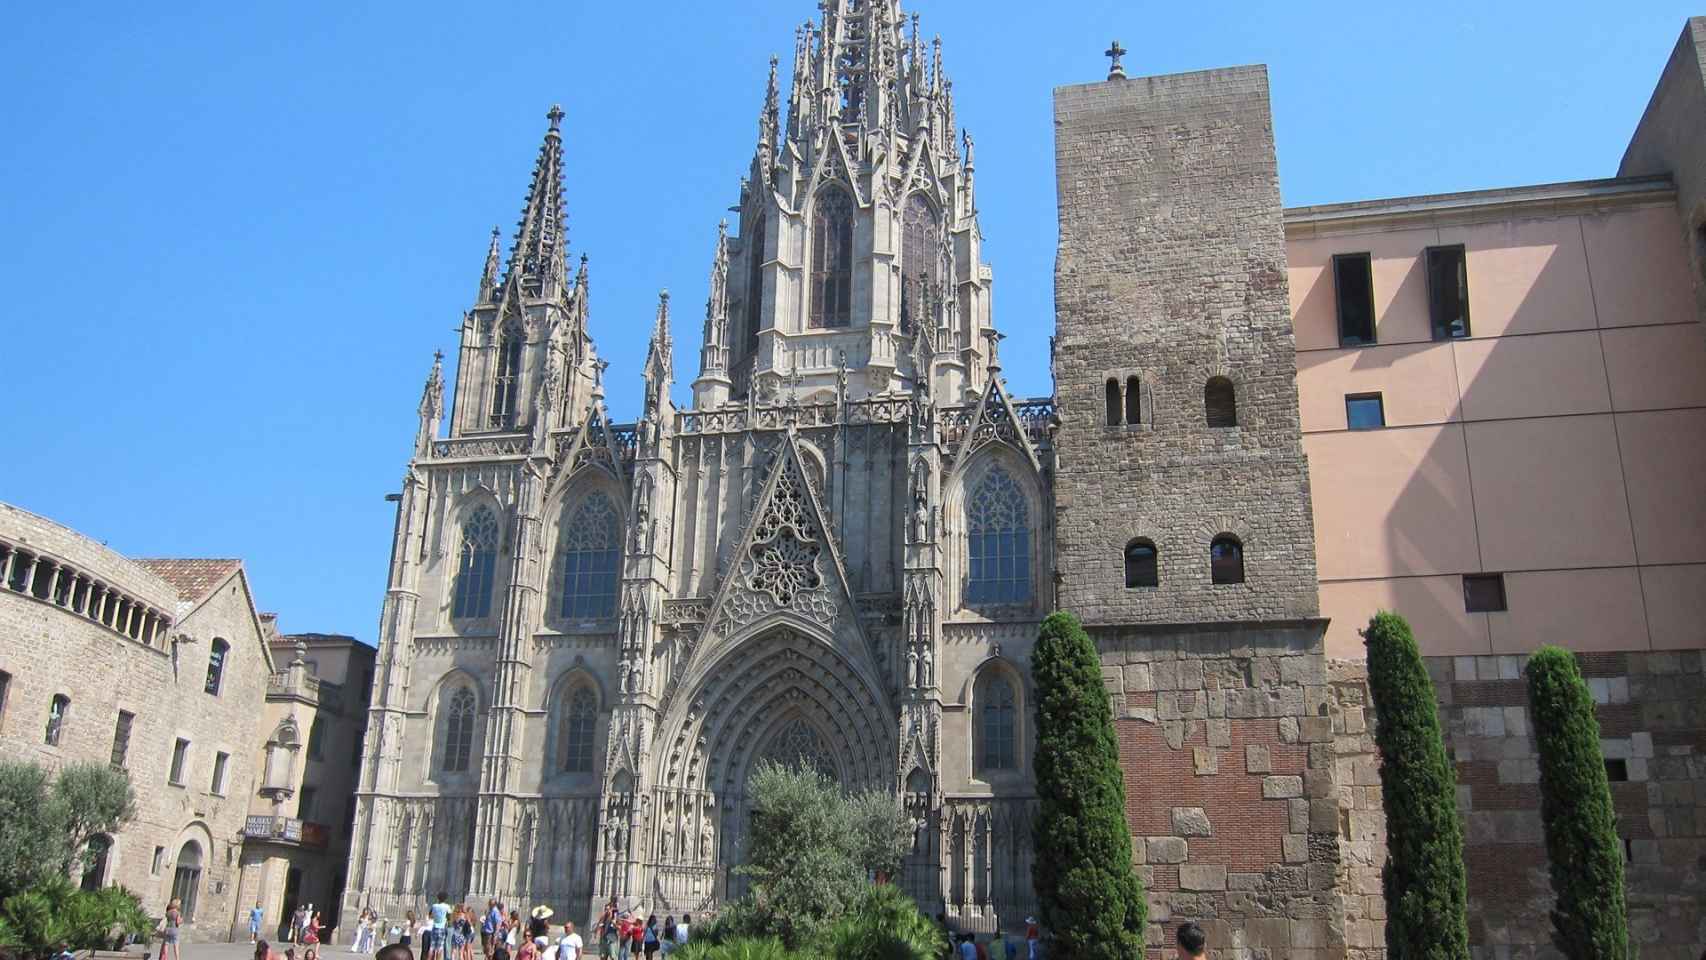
x: 832, y: 258
x: 920, y: 259
x: 588, y: 559
x: 476, y: 566
x: 998, y: 541
x: 575, y: 731
x: 506, y: 382
x: 997, y: 722
x: 459, y: 716
x: 755, y: 282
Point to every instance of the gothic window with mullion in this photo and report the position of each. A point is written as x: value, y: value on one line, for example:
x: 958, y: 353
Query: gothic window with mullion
x: 507, y: 380
x: 832, y: 258
x: 997, y: 739
x: 588, y: 559
x: 459, y: 716
x: 575, y: 731
x: 476, y: 566
x: 921, y: 259
x: 998, y: 541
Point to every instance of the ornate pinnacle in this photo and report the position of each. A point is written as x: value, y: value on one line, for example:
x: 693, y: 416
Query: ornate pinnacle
x: 489, y: 276
x: 555, y: 115
x: 1116, y: 70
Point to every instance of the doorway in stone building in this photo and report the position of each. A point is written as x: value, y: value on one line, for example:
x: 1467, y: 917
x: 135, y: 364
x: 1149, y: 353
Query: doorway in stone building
x: 186, y: 881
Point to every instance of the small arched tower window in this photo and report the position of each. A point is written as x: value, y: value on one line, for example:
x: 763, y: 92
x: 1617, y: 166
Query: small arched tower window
x: 1113, y: 402
x: 575, y: 731
x: 832, y: 258
x: 475, y: 566
x: 1133, y: 400
x: 920, y: 259
x: 998, y: 530
x: 507, y: 382
x: 1141, y: 564
x: 588, y: 555
x: 216, y: 665
x: 755, y: 282
x: 997, y: 723
x: 1226, y: 559
x: 458, y: 730
x: 1220, y: 402
x: 56, y: 714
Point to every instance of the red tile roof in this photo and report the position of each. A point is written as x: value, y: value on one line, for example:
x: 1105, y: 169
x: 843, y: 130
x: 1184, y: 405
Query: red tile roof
x: 193, y: 578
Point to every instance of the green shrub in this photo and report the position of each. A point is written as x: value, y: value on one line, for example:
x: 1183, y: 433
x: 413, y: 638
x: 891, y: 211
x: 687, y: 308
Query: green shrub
x: 884, y: 925
x: 738, y: 948
x: 45, y: 827
x: 34, y: 922
x: 1091, y: 902
x: 1426, y: 913
x: 1590, y: 917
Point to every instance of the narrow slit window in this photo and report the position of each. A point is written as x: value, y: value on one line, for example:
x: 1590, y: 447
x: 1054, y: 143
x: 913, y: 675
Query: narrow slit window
x: 1365, y: 411
x: 180, y: 759
x: 121, y: 738
x: 1448, y: 292
x: 1133, y: 400
x: 1484, y: 592
x: 1353, y: 279
x: 1113, y: 398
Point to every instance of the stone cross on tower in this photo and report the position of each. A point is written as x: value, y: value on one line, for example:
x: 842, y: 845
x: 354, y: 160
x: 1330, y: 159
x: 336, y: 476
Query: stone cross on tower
x: 1116, y: 70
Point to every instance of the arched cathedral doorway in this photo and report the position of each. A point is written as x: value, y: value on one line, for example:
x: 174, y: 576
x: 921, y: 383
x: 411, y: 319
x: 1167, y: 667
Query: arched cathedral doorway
x: 784, y: 694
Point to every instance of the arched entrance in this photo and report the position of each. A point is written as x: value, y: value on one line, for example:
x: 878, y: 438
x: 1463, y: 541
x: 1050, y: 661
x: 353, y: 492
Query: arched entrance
x: 186, y: 880
x: 783, y: 694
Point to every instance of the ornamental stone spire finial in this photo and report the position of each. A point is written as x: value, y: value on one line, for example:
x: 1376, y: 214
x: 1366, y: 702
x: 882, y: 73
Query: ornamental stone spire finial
x: 1116, y: 70
x: 540, y: 242
x: 489, y: 276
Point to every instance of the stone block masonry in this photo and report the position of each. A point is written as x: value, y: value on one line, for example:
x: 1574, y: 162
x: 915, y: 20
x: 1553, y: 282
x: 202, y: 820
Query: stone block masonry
x: 1171, y: 270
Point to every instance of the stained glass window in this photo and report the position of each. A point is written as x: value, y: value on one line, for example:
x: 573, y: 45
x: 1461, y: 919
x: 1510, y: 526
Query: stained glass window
x: 832, y: 258
x: 506, y: 385
x: 576, y: 731
x: 996, y: 725
x: 999, y: 541
x: 479, y: 556
x: 459, y: 731
x: 588, y: 559
x: 920, y: 259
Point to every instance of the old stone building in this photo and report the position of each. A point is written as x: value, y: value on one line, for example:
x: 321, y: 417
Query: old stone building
x: 155, y: 666
x: 839, y: 553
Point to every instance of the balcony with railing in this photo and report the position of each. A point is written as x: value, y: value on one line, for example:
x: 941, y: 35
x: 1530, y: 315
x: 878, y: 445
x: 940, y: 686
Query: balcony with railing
x: 305, y: 833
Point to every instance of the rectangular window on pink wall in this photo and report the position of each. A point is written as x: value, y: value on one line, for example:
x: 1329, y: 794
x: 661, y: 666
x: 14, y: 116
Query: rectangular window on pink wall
x: 1353, y: 283
x: 1448, y: 292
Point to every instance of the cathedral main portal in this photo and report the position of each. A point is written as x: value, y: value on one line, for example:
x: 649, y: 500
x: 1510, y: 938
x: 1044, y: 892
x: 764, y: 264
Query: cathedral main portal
x: 784, y: 694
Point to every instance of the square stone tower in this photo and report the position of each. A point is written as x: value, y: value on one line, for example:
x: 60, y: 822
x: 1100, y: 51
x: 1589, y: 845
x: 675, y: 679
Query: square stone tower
x: 1174, y: 361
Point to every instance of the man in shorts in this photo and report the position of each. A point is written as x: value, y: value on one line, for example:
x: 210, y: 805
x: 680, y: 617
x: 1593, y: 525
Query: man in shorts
x: 439, y: 914
x: 489, y: 926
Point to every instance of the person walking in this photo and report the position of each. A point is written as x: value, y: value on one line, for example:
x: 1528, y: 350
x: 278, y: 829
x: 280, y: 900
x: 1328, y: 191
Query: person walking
x: 681, y: 929
x: 439, y: 915
x: 489, y: 924
x: 170, y: 949
x: 666, y: 940
x: 408, y: 936
x: 255, y: 915
x: 1193, y: 942
x: 604, y: 930
x: 1033, y: 940
x: 311, y: 932
x: 538, y: 922
x: 570, y: 946
x: 649, y: 937
x: 298, y: 917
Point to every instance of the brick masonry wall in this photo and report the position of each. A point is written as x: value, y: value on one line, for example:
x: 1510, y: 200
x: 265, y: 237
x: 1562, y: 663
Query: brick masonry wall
x: 1171, y: 268
x: 1652, y: 715
x: 1227, y: 739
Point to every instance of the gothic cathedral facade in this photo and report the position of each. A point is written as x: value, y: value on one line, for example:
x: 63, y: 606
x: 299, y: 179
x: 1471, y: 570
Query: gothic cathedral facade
x: 839, y: 554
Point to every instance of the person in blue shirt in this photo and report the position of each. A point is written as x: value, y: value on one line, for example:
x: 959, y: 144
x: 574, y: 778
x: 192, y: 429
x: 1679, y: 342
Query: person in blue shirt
x: 255, y: 916
x: 489, y: 926
x: 440, y: 915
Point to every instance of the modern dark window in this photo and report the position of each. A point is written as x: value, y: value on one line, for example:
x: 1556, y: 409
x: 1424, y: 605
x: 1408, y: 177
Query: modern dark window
x: 832, y: 259
x: 180, y: 759
x: 305, y: 805
x: 1448, y: 292
x: 1220, y: 402
x: 56, y: 713
x: 1141, y: 569
x: 1226, y: 559
x: 1353, y: 279
x: 1113, y: 402
x: 1133, y: 400
x: 1484, y: 592
x: 121, y: 738
x: 1364, y: 411
x: 216, y: 665
x: 217, y: 786
x: 1617, y: 770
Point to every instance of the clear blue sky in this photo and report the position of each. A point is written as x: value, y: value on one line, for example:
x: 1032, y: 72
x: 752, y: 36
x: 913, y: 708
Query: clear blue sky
x: 234, y: 233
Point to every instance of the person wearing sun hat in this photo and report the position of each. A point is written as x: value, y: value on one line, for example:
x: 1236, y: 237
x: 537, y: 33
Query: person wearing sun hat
x: 537, y: 923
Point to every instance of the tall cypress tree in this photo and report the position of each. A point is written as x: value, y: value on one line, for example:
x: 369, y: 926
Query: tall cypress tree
x: 1590, y: 918
x: 1424, y: 882
x: 1091, y: 901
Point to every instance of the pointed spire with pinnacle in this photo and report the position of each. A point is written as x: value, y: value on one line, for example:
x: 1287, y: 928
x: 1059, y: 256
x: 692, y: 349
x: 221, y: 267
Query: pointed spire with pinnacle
x: 769, y: 122
x: 431, y: 409
x: 711, y: 388
x: 536, y: 261
x: 489, y: 276
x: 660, y: 365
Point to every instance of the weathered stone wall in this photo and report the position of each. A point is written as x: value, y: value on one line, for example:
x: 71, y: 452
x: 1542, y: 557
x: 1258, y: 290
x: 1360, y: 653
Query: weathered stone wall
x: 1227, y: 737
x: 1171, y: 269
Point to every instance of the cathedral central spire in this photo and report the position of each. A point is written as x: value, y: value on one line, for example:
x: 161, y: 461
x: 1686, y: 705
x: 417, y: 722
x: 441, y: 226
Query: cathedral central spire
x: 536, y: 261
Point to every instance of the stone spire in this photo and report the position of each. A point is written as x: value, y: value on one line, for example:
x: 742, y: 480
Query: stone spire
x: 769, y: 125
x: 431, y: 409
x: 660, y: 365
x: 712, y: 386
x: 489, y: 277
x: 536, y: 262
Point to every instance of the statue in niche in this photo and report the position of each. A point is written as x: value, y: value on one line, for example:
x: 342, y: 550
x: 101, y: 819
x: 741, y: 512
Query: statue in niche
x: 927, y: 667
x: 913, y: 674
x: 664, y: 849
x: 707, y: 840
x: 642, y: 523
x: 622, y: 678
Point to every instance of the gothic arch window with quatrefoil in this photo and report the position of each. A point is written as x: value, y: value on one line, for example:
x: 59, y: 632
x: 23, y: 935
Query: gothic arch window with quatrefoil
x: 588, y: 559
x: 998, y: 541
x: 476, y: 566
x: 832, y: 258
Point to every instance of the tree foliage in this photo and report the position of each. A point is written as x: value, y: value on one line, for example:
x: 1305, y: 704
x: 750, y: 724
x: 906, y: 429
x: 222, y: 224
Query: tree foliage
x: 46, y: 826
x: 34, y: 922
x: 811, y: 852
x: 1091, y: 901
x: 1424, y: 882
x: 1590, y: 917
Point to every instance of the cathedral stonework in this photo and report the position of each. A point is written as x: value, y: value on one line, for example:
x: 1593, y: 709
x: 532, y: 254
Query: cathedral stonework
x: 836, y: 557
